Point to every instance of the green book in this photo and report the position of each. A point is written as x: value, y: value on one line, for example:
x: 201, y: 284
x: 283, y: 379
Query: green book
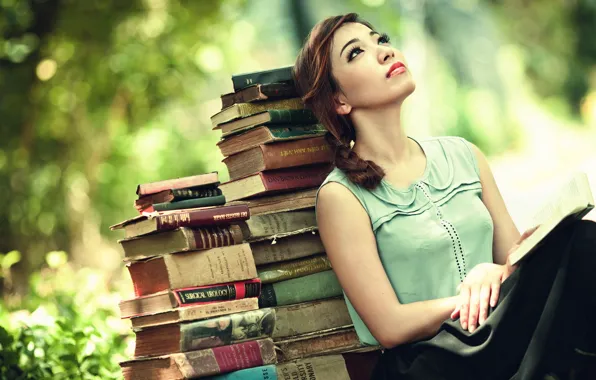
x: 279, y: 74
x: 308, y: 288
x: 218, y: 200
x: 283, y: 116
x: 267, y: 372
x: 293, y: 269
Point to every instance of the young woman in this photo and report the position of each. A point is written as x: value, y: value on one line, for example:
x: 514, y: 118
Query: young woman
x: 419, y: 235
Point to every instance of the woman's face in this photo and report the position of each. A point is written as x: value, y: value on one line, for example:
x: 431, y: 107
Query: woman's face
x: 361, y: 62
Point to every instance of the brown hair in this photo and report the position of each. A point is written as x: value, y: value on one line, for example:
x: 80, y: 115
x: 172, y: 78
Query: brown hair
x: 318, y: 88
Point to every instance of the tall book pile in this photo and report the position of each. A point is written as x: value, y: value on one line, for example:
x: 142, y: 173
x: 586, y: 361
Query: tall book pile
x: 231, y: 279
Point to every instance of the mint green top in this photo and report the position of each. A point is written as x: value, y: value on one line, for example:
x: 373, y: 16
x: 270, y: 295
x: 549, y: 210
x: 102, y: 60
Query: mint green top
x: 431, y: 234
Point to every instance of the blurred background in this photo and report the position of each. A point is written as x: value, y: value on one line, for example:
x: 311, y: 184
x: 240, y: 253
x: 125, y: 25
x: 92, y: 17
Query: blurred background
x: 98, y: 96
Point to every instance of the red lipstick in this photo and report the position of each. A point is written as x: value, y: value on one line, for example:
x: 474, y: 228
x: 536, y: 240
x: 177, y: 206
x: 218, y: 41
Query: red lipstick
x: 395, y: 69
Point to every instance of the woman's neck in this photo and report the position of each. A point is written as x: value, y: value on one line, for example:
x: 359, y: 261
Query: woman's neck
x: 380, y: 136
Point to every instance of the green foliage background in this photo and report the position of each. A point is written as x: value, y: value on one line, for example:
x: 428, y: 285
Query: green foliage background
x: 98, y: 96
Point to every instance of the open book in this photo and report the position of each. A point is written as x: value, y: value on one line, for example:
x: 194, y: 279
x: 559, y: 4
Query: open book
x: 573, y: 201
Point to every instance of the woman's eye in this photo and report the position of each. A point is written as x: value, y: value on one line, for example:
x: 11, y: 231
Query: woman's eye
x: 353, y: 52
x: 384, y: 39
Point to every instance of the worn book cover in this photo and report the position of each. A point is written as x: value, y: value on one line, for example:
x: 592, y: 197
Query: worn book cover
x: 281, y: 202
x: 278, y: 224
x: 145, y: 203
x: 316, y: 344
x: 293, y: 269
x: 270, y: 117
x: 259, y: 92
x: 276, y: 75
x: 287, y: 248
x: 329, y: 367
x: 178, y: 183
x: 313, y: 287
x: 240, y: 110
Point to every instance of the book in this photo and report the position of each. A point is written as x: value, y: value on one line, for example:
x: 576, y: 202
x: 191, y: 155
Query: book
x: 201, y: 363
x: 286, y: 248
x: 309, y: 317
x: 241, y: 110
x: 259, y: 92
x: 266, y: 372
x: 169, y: 220
x: 571, y: 202
x: 329, y: 367
x: 192, y: 313
x: 218, y: 200
x: 313, y: 287
x: 278, y: 156
x: 145, y: 202
x: 181, y: 239
x: 194, y: 268
x: 279, y: 224
x: 293, y: 117
x: 268, y: 134
x: 297, y: 200
x: 319, y: 343
x: 178, y: 183
x: 280, y: 74
x: 293, y: 269
x: 207, y: 333
x: 185, y: 297
x: 273, y: 181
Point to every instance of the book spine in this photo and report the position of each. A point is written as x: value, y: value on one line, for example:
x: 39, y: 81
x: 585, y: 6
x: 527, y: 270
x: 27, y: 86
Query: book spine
x: 288, y: 248
x: 267, y: 372
x: 335, y: 342
x: 241, y: 81
x: 291, y: 132
x: 280, y: 223
x: 308, y: 288
x: 216, y: 293
x: 309, y: 317
x: 295, y: 178
x: 278, y: 90
x: 176, y: 183
x: 293, y: 269
x: 227, y: 329
x: 202, y: 217
x: 330, y: 367
x: 304, y: 116
x: 214, y: 237
x: 296, y: 153
x: 183, y: 194
x: 224, y: 359
x: 218, y: 200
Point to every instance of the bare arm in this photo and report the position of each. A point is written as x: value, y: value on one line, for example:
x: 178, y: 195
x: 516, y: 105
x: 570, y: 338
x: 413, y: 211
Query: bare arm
x: 351, y: 247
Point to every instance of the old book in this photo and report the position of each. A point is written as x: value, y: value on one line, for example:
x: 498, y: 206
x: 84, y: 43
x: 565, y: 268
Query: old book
x: 241, y: 110
x: 145, y: 203
x: 278, y: 224
x: 207, y: 333
x: 185, y: 297
x: 277, y: 117
x: 194, y: 268
x: 259, y: 92
x: 313, y: 287
x: 571, y: 201
x: 274, y: 181
x: 178, y: 183
x: 329, y: 367
x: 287, y: 248
x: 308, y: 317
x: 296, y: 200
x: 201, y: 363
x: 268, y: 134
x: 293, y: 269
x: 218, y: 200
x: 316, y: 344
x: 169, y: 220
x: 266, y: 372
x: 193, y: 313
x: 276, y: 75
x: 181, y: 240
x: 278, y: 156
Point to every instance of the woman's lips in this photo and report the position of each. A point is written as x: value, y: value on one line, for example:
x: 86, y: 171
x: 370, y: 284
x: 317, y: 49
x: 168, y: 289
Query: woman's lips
x: 396, y: 69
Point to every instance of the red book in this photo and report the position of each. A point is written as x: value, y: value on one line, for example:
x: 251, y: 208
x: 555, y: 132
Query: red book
x: 169, y: 220
x: 273, y: 181
x: 178, y: 183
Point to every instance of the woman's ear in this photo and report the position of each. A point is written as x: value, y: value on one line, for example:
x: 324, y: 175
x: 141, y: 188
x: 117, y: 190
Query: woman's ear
x: 341, y: 105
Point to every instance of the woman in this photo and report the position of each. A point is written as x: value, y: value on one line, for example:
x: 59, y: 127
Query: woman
x: 419, y: 235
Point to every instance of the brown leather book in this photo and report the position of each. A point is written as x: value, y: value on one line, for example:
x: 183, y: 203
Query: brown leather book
x: 296, y: 200
x: 275, y: 181
x: 194, y: 268
x: 241, y: 110
x: 278, y: 156
x: 201, y: 363
x: 258, y: 92
x: 178, y: 183
x: 192, y: 217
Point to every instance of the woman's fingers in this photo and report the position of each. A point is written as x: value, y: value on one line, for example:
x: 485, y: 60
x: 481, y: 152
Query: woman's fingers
x: 464, y: 295
x: 474, y: 307
x: 494, y: 293
x: 484, y: 303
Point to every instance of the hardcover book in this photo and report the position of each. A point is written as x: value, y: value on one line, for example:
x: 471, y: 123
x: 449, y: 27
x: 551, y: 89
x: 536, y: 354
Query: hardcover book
x: 279, y: 224
x: 181, y: 240
x: 293, y: 269
x: 259, y: 92
x: 276, y: 75
x: 201, y: 363
x: 313, y: 287
x: 329, y: 367
x: 145, y: 203
x: 214, y: 332
x: 288, y: 248
x: 294, y: 117
x: 241, y: 110
x: 218, y: 200
x: 268, y: 134
x: 331, y: 342
x: 194, y: 268
x: 267, y: 372
x: 178, y: 183
x: 268, y: 204
x: 274, y: 181
x: 278, y: 156
x: 197, y: 295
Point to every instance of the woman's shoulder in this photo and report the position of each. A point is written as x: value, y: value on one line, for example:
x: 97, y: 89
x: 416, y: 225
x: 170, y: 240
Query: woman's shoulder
x: 456, y: 150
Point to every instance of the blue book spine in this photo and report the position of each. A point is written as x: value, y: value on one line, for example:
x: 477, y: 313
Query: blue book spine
x: 266, y: 372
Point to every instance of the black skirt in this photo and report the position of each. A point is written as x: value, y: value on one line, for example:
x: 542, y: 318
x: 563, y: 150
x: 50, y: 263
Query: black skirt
x: 544, y: 313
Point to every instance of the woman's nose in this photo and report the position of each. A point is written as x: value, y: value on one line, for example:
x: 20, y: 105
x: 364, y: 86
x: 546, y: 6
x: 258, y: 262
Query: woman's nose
x: 385, y: 53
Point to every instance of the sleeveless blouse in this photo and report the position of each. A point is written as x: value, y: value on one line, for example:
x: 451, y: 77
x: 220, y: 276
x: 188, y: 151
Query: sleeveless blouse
x: 431, y: 234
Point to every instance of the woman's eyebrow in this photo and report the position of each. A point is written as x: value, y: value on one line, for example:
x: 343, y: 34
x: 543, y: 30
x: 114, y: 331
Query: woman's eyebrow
x: 372, y: 33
